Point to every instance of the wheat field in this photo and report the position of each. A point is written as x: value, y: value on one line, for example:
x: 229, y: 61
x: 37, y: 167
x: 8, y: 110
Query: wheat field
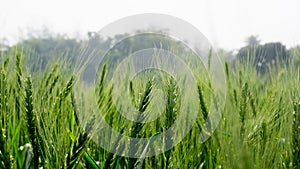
x: 40, y: 127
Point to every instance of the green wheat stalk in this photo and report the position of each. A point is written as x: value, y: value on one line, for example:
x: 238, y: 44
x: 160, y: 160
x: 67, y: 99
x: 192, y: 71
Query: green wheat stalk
x: 170, y: 117
x: 137, y: 126
x: 31, y: 122
x: 296, y: 135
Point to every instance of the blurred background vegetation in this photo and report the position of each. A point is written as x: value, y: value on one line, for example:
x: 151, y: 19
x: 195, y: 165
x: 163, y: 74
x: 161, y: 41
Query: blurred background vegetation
x: 260, y: 125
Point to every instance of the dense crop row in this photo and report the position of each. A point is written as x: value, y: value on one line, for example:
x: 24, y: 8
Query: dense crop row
x: 39, y: 127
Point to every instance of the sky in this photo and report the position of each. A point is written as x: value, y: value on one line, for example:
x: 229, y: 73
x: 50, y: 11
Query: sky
x: 225, y: 23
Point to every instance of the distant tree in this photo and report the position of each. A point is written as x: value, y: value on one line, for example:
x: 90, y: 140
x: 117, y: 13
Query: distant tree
x: 41, y: 51
x: 252, y: 41
x: 262, y: 56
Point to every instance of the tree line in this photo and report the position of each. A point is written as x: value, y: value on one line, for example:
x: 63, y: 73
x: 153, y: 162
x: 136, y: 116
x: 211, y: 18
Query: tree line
x: 42, y: 50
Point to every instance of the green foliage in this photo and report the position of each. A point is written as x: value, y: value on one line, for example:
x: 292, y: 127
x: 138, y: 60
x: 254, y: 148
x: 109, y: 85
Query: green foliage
x: 91, y: 162
x: 264, y: 56
x: 31, y: 122
x: 39, y: 124
x: 296, y: 135
x: 42, y: 51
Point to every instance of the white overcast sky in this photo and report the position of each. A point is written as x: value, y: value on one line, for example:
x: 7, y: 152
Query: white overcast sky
x: 226, y: 23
